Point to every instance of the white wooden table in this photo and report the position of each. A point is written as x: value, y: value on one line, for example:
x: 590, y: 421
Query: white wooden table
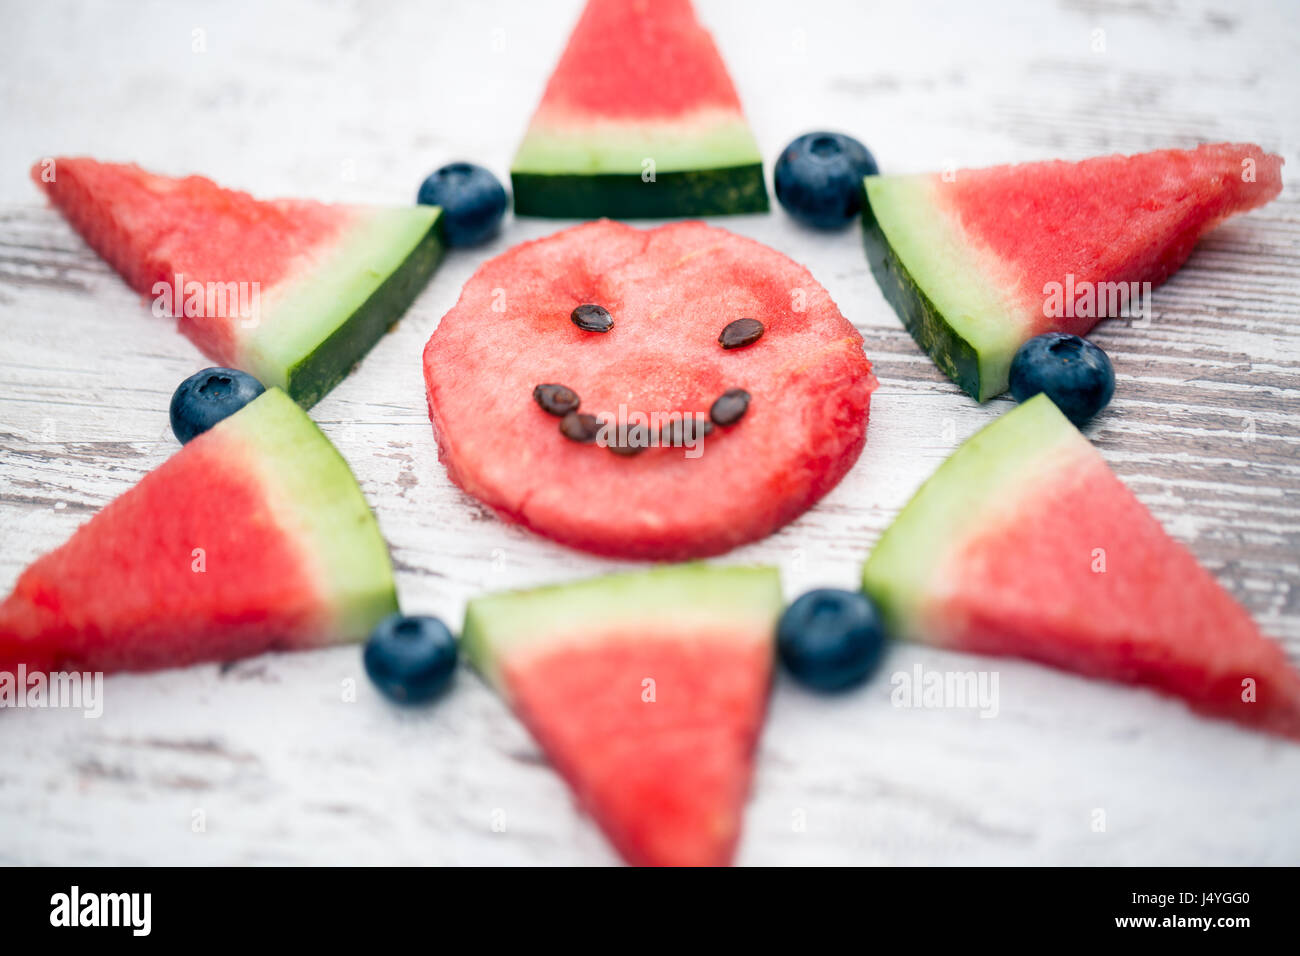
x: 358, y: 101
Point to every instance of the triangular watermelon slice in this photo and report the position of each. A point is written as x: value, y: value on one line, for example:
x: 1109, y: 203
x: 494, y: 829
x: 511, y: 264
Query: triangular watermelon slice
x: 293, y: 291
x: 647, y: 691
x: 979, y: 260
x: 252, y: 537
x: 639, y: 119
x: 1025, y: 543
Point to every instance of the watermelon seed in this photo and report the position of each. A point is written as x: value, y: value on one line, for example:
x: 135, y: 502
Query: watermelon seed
x: 742, y: 332
x: 581, y: 428
x: 635, y: 441
x: 592, y: 318
x: 730, y: 407
x: 628, y: 450
x: 674, y: 434
x: 556, y: 399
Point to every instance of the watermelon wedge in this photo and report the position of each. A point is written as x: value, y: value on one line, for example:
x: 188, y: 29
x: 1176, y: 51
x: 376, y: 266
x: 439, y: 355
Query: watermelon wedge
x: 639, y: 119
x: 253, y: 537
x: 1024, y: 543
x: 670, y: 292
x: 978, y: 261
x: 647, y: 692
x: 292, y: 291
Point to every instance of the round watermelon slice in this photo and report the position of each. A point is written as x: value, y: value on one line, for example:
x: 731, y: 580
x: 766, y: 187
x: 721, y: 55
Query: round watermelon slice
x: 670, y: 291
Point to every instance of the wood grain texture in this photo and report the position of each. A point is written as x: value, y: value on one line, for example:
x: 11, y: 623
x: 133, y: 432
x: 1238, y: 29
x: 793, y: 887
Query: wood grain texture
x: 358, y: 102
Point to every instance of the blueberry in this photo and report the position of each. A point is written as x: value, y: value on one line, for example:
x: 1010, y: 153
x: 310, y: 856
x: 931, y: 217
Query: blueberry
x: 207, y: 397
x: 819, y: 178
x: 1074, y: 373
x: 830, y: 639
x: 410, y: 659
x: 472, y: 202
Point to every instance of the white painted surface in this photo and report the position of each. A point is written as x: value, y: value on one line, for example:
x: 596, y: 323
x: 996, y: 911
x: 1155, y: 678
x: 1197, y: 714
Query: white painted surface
x: 358, y: 102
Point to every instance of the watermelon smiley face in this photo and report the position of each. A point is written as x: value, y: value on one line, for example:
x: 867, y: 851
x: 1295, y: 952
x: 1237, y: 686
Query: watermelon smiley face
x: 791, y: 424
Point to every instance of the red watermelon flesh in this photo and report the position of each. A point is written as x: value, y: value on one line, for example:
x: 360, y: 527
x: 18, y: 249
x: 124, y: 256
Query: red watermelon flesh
x: 663, y: 779
x: 149, y: 227
x: 980, y: 260
x: 636, y: 59
x: 252, y: 537
x: 1026, y: 544
x: 647, y: 691
x: 670, y: 291
x: 280, y: 280
x: 1113, y: 218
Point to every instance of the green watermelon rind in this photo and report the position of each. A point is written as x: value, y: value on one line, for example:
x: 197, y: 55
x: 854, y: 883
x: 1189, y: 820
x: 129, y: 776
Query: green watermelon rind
x: 959, y: 499
x: 923, y: 320
x: 739, y: 599
x: 336, y: 312
x: 318, y: 501
x: 972, y: 334
x: 704, y: 139
x: 719, y: 191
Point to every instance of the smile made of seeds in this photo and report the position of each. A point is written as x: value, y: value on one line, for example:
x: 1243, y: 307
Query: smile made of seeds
x: 727, y: 409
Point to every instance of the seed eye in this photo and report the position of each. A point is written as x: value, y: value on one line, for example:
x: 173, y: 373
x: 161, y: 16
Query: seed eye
x: 592, y: 318
x: 741, y: 332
